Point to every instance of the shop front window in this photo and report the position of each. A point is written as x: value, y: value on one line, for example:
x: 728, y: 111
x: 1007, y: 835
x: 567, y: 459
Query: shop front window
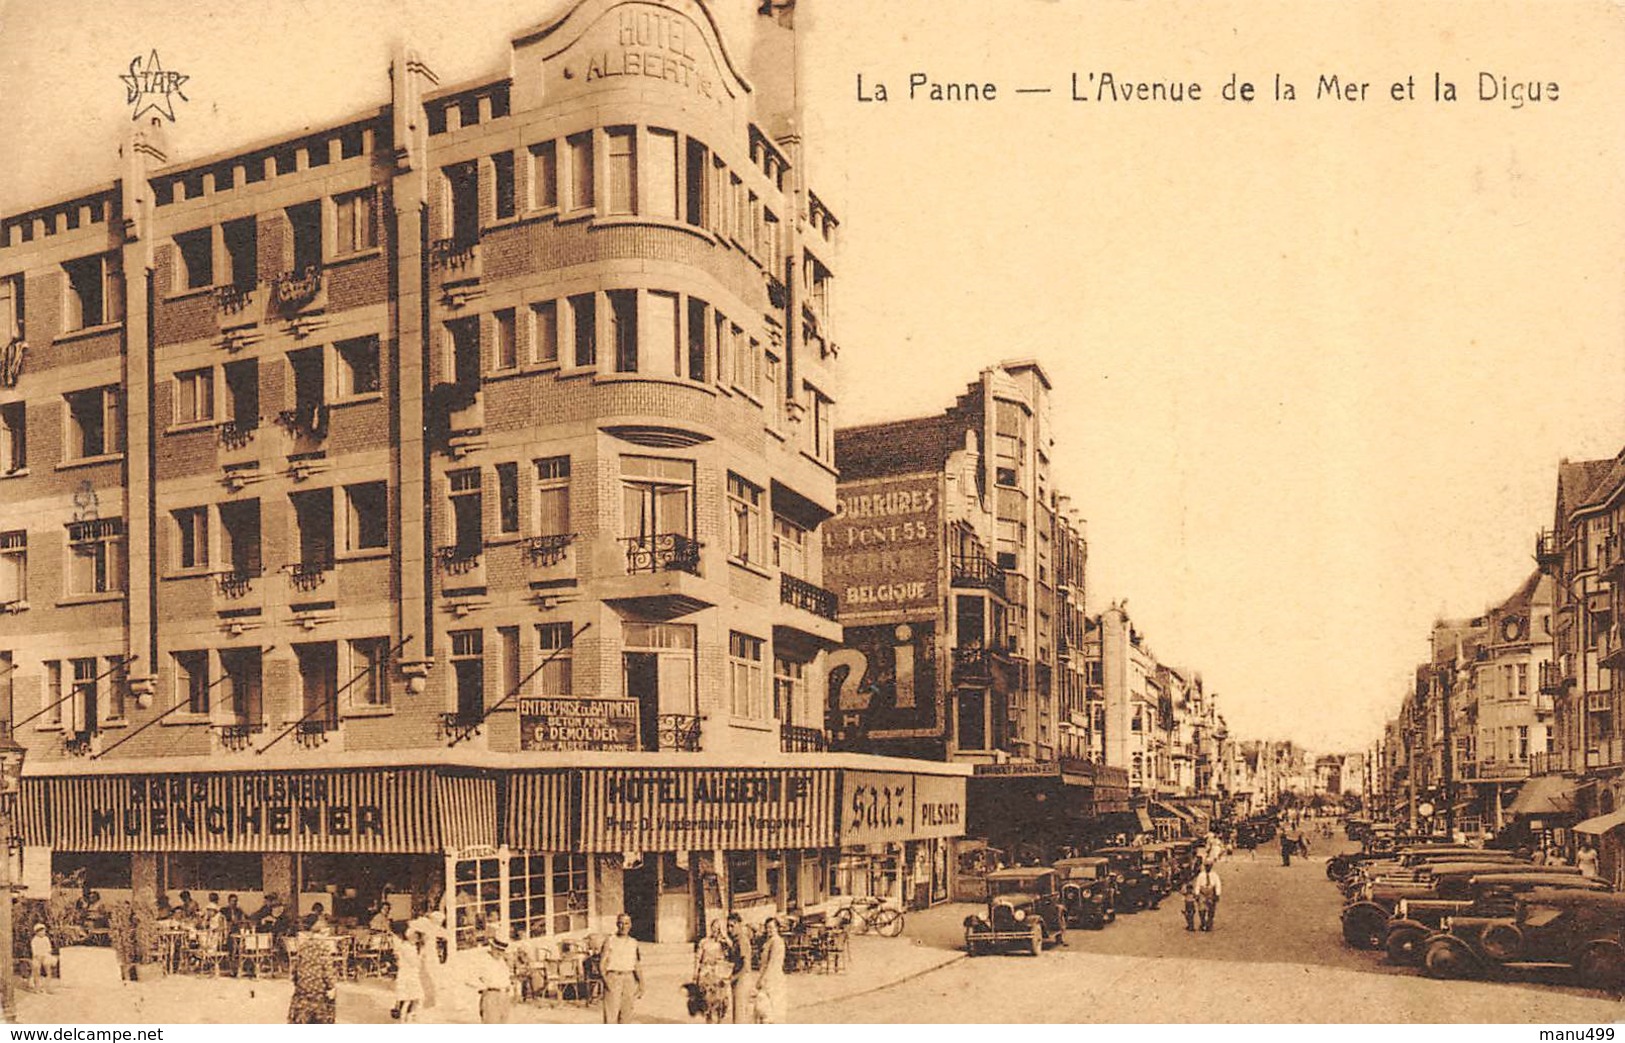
x: 547, y: 895
x: 744, y: 873
x: 478, y: 898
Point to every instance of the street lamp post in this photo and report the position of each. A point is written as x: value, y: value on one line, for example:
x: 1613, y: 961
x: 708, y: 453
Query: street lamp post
x: 11, y: 783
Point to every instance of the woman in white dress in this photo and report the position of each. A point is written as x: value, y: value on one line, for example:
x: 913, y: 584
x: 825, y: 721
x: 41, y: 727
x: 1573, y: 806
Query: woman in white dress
x: 408, y: 975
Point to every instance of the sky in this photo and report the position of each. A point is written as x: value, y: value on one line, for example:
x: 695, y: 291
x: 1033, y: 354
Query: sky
x: 1315, y: 361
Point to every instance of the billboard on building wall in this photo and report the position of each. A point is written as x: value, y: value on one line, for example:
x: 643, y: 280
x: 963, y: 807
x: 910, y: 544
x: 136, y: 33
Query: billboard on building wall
x: 883, y: 683
x: 564, y: 723
x: 882, y: 550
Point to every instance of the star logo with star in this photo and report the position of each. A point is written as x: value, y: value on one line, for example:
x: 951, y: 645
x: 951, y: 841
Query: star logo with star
x: 148, y: 86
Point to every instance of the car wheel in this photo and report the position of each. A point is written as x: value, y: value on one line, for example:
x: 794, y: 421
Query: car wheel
x: 1331, y: 870
x: 1501, y: 941
x: 1444, y: 959
x: 1602, y: 967
x: 1111, y: 913
x: 971, y: 948
x: 1364, y: 930
x: 888, y: 923
x: 1405, y: 946
x: 1035, y: 940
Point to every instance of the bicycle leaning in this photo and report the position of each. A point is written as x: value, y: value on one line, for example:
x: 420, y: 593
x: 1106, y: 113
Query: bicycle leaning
x: 863, y: 914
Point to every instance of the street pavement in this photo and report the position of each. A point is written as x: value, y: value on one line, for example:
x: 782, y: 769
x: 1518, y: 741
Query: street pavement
x: 1276, y: 955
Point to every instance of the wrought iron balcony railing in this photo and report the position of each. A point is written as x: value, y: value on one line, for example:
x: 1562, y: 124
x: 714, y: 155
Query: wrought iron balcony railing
x: 306, y: 418
x: 291, y: 290
x: 678, y: 731
x: 457, y: 725
x: 455, y: 253
x: 796, y: 738
x: 457, y: 558
x: 548, y: 550
x: 233, y: 297
x: 237, y: 736
x: 1547, y: 552
x: 234, y: 434
x: 662, y: 552
x: 808, y: 596
x: 313, y: 733
x: 973, y: 570
x: 82, y: 743
x: 973, y: 663
x: 308, y: 575
x: 1552, y: 680
x: 236, y: 582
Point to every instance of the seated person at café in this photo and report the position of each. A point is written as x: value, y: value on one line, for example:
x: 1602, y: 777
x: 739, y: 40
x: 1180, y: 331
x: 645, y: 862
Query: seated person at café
x: 233, y: 912
x: 189, y: 906
x: 317, y: 915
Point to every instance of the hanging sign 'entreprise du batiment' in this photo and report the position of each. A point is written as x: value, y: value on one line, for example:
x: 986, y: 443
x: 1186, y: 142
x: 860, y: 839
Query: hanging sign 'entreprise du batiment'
x: 563, y: 723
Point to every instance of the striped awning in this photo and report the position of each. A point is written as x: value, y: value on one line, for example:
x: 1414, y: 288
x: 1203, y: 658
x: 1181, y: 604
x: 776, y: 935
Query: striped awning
x: 368, y: 810
x: 687, y: 809
x: 543, y: 808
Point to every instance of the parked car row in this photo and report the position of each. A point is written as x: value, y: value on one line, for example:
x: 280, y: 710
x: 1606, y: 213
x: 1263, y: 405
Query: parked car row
x: 1030, y: 908
x: 1457, y: 911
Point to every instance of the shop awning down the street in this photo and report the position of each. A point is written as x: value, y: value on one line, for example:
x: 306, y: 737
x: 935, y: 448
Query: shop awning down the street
x: 1136, y: 821
x: 1602, y: 823
x: 1544, y: 795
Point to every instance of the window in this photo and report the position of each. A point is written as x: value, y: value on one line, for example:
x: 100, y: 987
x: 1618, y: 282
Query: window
x: 464, y: 336
x: 789, y: 547
x: 554, y: 642
x: 117, y: 684
x: 366, y: 516
x: 318, y: 683
x: 242, y: 251
x: 466, y: 508
x: 508, y: 498
x: 584, y: 324
x: 508, y: 644
x: 240, y: 525
x: 192, y: 681
x: 620, y: 152
x: 697, y: 348
x: 745, y: 527
x: 13, y: 437
x: 95, y: 426
x: 12, y: 312
x: 309, y: 367
x: 502, y: 175
x: 547, y: 894
x: 245, y: 684
x: 358, y: 366
x: 462, y: 202
x: 313, y: 519
x: 369, y: 668
x: 1523, y: 742
x: 194, y: 396
x: 823, y: 426
x: 662, y: 335
x: 92, y: 292
x: 196, y: 252
x: 657, y: 496
x: 306, y: 221
x: 661, y: 175
x: 96, y: 558
x: 468, y: 672
x: 544, y: 176
x: 86, y: 712
x: 1137, y: 724
x: 971, y: 716
x: 553, y: 496
x: 696, y: 184
x: 744, y: 872
x: 774, y: 389
x: 243, y: 393
x: 1523, y: 678
x: 745, y: 361
x: 623, y: 327
x: 770, y: 241
x: 51, y: 698
x: 13, y: 566
x: 581, y: 172
x: 507, y: 345
x: 544, y: 332
x: 789, y: 688
x: 192, y: 538
x: 746, y: 684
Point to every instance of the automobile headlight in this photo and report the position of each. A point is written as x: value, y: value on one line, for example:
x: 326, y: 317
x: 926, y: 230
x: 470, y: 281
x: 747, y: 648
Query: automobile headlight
x: 1020, y: 914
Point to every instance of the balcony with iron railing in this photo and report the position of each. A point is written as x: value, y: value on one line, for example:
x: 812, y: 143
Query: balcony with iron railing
x: 1611, y: 554
x: 677, y: 731
x: 233, y: 301
x: 975, y: 570
x: 238, y: 735
x: 795, y: 738
x: 809, y: 597
x: 291, y: 291
x: 239, y: 433
x: 1611, y: 647
x: 1547, y: 552
x: 307, y: 576
x: 306, y: 420
x: 458, y: 257
x: 458, y: 559
x: 973, y: 663
x: 547, y: 551
x: 315, y: 732
x: 236, y: 582
x: 662, y: 552
x: 1552, y: 678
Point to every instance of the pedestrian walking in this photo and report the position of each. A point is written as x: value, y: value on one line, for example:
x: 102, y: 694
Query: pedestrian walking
x: 772, y: 1000
x: 430, y: 929
x: 1286, y: 847
x: 1586, y: 860
x: 621, y: 963
x: 42, y: 958
x: 742, y: 949
x: 1208, y: 890
x: 1188, y: 893
x: 492, y: 980
x: 408, y: 975
x: 713, y: 974
x: 315, y: 989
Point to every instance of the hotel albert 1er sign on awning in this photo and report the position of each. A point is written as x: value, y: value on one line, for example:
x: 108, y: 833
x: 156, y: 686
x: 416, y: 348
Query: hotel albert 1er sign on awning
x: 401, y: 810
x: 692, y: 809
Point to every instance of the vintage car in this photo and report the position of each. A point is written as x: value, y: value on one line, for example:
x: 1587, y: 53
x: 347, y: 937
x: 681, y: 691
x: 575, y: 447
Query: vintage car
x: 1088, y: 891
x: 1485, y: 894
x: 1580, y: 931
x: 1414, y: 861
x: 1365, y: 917
x: 1023, y: 911
x: 1187, y: 853
x: 1137, y: 885
x: 1160, y: 862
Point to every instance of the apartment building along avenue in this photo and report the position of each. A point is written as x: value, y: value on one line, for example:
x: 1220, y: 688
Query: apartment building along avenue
x: 434, y: 501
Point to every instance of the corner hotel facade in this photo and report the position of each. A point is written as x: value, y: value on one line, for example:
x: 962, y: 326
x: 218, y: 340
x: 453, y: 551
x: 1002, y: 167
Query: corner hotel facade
x: 434, y: 501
